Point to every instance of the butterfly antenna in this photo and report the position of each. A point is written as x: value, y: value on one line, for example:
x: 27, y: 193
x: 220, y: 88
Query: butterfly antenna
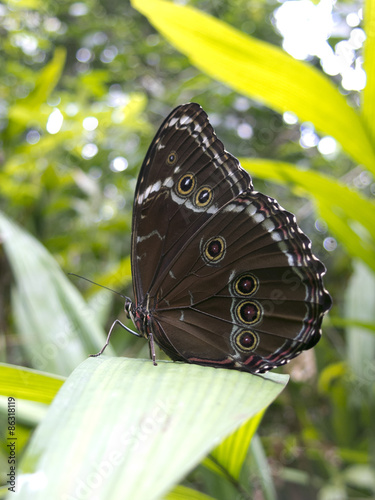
x: 97, y: 284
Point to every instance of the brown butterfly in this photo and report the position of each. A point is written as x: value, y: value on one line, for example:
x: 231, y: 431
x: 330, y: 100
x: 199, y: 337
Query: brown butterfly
x: 222, y: 274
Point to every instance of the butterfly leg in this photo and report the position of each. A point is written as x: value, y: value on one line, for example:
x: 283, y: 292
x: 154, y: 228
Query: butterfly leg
x: 116, y: 322
x: 151, y: 345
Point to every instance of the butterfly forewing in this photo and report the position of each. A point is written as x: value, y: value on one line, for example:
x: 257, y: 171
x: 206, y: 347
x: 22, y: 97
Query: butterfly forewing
x: 227, y: 276
x: 178, y: 190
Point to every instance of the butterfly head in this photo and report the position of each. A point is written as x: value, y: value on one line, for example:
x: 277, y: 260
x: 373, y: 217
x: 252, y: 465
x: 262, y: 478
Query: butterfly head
x: 128, y: 308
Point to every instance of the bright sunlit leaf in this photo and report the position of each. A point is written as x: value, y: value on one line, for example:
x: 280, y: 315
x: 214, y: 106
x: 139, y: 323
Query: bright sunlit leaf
x: 24, y: 383
x: 184, y: 493
x: 368, y: 108
x: 230, y: 455
x: 261, y: 71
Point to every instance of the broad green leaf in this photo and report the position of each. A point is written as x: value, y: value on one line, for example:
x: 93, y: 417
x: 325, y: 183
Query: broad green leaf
x: 230, y: 455
x: 261, y: 71
x: 123, y: 428
x: 184, y: 493
x: 368, y: 104
x: 24, y: 383
x: 355, y: 229
x: 58, y: 330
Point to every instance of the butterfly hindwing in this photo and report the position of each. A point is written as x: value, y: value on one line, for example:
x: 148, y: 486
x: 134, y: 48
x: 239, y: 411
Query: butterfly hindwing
x: 263, y: 288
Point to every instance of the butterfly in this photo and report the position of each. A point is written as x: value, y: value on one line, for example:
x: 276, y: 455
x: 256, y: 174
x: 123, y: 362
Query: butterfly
x: 222, y: 274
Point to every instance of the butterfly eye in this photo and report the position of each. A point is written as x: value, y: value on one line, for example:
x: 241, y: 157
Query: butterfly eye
x: 246, y: 285
x: 246, y: 340
x: 186, y: 185
x: 172, y: 158
x: 214, y: 250
x: 248, y: 312
x: 203, y: 197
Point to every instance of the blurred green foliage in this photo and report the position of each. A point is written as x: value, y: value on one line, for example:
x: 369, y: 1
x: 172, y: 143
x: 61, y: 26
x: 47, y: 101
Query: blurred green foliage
x: 83, y: 86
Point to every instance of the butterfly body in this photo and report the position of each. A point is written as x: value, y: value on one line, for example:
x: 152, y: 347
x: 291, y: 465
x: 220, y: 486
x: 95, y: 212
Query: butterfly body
x: 222, y: 275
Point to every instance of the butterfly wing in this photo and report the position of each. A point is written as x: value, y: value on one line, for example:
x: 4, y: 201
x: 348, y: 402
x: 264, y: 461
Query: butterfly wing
x: 228, y: 276
x: 246, y: 291
x: 168, y: 204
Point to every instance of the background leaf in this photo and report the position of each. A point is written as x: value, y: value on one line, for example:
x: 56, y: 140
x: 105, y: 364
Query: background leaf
x: 23, y: 110
x: 57, y: 327
x: 359, y: 304
x: 262, y: 468
x: 24, y: 383
x: 261, y: 71
x: 368, y: 107
x: 184, y: 493
x: 230, y: 455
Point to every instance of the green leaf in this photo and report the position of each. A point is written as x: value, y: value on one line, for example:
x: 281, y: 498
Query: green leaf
x: 184, y: 493
x: 23, y: 110
x: 261, y: 71
x: 117, y: 277
x: 57, y: 328
x: 360, y: 477
x: 368, y: 105
x: 344, y: 322
x: 24, y: 383
x: 331, y: 373
x: 355, y: 229
x: 123, y: 428
x: 25, y: 4
x: 230, y: 455
x: 263, y: 468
